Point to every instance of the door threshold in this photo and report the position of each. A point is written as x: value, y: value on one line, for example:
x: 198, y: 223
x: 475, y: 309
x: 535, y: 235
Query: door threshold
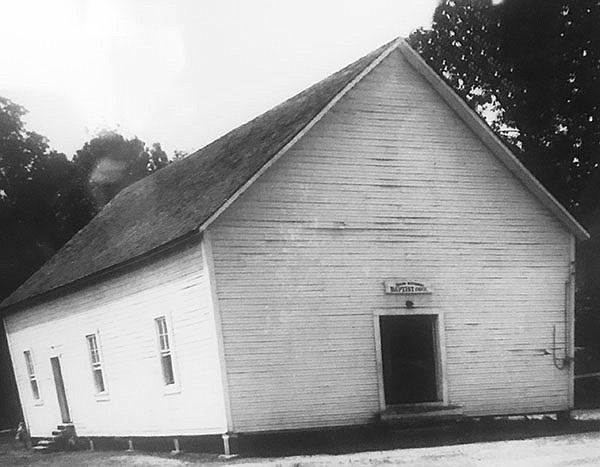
x: 416, y: 405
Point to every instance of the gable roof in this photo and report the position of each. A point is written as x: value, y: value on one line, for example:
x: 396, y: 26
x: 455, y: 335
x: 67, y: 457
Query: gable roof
x: 185, y: 197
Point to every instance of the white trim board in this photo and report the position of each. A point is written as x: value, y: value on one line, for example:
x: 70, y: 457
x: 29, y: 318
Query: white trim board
x: 440, y: 351
x: 209, y: 269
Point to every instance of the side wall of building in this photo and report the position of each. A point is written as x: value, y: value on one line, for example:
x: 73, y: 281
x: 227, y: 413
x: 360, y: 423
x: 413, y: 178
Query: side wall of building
x: 122, y: 310
x: 389, y: 185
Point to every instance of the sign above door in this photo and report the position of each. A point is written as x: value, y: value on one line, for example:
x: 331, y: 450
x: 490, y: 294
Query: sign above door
x: 405, y: 288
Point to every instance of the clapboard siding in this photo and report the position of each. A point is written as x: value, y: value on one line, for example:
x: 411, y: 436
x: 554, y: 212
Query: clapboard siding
x: 123, y: 309
x: 390, y: 184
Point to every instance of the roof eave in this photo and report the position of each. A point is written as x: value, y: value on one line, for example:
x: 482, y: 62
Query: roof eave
x: 8, y: 306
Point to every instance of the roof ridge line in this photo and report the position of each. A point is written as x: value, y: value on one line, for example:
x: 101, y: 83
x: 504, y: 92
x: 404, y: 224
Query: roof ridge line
x: 334, y: 100
x: 483, y: 131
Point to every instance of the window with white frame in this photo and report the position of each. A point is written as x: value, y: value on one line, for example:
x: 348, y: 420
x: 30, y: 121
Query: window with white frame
x: 96, y: 362
x: 166, y: 355
x: 35, y: 389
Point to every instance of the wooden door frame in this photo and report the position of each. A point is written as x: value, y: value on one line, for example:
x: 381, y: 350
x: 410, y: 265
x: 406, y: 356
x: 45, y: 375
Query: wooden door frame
x: 56, y: 354
x: 439, y: 351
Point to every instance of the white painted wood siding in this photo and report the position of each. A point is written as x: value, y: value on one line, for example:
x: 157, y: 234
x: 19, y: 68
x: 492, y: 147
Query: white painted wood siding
x: 123, y: 309
x: 390, y: 184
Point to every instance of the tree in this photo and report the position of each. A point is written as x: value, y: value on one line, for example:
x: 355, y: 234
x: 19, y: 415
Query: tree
x: 32, y: 177
x: 158, y: 158
x: 108, y: 163
x: 179, y: 154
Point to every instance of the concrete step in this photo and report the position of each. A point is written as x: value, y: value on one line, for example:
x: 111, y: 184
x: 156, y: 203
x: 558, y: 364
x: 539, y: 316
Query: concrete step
x: 46, y: 442
x: 60, y: 440
x: 45, y: 445
x: 42, y: 449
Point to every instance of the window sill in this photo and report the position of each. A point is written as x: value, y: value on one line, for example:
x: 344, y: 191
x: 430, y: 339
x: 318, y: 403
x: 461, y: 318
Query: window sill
x: 103, y: 396
x: 171, y: 389
x: 38, y: 402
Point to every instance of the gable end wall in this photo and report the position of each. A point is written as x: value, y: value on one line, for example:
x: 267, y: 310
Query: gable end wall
x: 390, y: 184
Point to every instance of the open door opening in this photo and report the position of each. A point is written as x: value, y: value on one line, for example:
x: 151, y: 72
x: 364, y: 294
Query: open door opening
x: 60, y: 390
x: 409, y: 351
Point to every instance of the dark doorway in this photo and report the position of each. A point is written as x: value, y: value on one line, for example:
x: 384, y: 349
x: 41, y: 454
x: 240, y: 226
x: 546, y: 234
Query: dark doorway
x: 60, y: 390
x: 409, y: 356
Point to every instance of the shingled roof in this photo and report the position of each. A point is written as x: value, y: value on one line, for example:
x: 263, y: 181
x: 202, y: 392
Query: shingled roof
x: 186, y: 196
x: 176, y: 200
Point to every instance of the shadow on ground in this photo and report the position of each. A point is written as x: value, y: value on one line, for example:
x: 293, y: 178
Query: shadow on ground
x: 379, y: 438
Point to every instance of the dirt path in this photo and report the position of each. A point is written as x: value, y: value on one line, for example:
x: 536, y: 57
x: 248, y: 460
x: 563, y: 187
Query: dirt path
x: 566, y: 450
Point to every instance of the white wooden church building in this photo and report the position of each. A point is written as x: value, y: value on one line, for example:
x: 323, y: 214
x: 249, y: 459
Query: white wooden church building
x: 366, y: 247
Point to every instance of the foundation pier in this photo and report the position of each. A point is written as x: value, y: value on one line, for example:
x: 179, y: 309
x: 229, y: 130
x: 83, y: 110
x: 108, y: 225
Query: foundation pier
x: 230, y: 445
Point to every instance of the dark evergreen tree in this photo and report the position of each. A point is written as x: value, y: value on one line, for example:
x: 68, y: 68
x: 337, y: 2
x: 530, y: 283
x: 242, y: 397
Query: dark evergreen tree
x: 532, y: 68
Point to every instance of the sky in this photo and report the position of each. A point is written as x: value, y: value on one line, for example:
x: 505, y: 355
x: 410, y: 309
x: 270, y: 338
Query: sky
x: 179, y: 72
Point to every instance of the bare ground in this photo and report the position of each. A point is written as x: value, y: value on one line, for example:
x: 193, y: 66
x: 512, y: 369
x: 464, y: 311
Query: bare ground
x: 581, y: 449
x: 547, y: 444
